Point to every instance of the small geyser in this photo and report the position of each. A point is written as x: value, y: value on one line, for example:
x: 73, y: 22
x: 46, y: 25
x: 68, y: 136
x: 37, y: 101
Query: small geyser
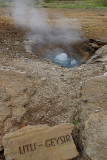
x: 45, y: 35
x: 63, y: 55
x: 66, y: 55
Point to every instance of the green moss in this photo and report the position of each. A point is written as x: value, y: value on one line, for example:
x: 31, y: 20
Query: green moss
x: 75, y: 123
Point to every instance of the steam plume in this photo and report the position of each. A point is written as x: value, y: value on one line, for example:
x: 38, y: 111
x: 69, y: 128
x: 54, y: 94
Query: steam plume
x: 37, y: 21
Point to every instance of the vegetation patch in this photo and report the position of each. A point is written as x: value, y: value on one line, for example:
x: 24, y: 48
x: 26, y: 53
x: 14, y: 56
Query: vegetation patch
x: 74, y: 4
x: 62, y: 3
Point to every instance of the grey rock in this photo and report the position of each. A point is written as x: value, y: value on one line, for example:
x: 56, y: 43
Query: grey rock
x: 99, y: 56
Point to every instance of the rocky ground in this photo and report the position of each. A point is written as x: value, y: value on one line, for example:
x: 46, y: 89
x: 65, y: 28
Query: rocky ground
x: 36, y: 91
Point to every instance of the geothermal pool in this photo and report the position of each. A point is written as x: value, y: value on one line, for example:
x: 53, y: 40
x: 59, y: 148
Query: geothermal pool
x: 64, y: 60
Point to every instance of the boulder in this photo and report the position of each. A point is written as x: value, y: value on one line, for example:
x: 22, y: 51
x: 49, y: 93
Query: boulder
x: 99, y: 56
x: 40, y: 142
x: 93, y: 119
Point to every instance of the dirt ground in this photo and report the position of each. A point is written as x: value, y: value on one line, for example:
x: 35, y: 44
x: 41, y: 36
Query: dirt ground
x: 36, y: 91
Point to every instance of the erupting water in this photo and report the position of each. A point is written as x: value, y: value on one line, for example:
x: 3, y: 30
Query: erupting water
x: 63, y: 60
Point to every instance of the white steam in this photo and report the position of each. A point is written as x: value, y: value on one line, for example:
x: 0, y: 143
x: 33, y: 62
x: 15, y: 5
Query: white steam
x: 36, y: 20
x: 27, y: 16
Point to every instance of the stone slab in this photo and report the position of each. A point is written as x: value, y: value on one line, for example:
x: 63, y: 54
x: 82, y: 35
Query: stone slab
x: 40, y: 143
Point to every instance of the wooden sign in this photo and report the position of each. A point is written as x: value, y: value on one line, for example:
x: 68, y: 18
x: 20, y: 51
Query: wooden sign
x: 40, y: 143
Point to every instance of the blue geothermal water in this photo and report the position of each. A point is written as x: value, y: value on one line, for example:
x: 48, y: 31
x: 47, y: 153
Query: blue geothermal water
x: 62, y: 59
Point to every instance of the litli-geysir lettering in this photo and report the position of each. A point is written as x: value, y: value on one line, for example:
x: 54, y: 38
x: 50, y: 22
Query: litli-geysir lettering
x: 61, y: 140
x: 27, y: 148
